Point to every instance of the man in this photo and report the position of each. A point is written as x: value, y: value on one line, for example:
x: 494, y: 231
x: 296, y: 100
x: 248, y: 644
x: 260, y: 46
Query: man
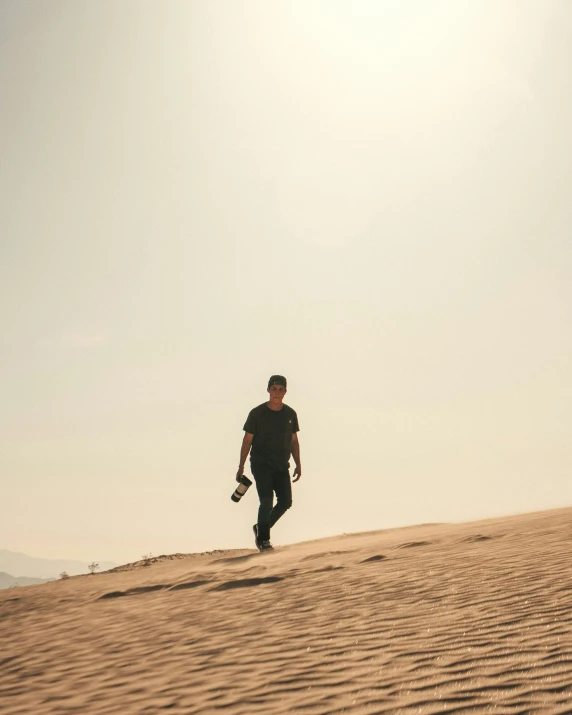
x: 271, y: 430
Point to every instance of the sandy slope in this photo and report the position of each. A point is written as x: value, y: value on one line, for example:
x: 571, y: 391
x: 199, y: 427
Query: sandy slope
x: 463, y: 618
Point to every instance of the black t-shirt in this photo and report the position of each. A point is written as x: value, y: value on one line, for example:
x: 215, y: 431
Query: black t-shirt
x: 272, y: 430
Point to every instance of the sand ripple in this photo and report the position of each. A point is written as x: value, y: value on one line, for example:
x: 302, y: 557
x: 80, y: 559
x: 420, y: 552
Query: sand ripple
x: 469, y: 618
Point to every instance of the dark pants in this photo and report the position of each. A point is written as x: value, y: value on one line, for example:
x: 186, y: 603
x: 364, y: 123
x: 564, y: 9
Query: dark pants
x: 268, y: 481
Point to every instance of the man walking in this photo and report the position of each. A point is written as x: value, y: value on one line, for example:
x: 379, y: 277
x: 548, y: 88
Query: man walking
x: 271, y: 432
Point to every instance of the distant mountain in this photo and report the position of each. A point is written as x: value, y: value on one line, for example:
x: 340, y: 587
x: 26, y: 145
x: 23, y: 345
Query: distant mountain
x: 13, y: 562
x: 7, y: 581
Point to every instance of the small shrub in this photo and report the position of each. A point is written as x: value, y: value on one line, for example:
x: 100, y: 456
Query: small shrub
x: 93, y: 567
x: 64, y: 574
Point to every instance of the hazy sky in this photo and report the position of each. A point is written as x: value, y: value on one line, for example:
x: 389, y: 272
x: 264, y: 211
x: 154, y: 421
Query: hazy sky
x: 371, y: 197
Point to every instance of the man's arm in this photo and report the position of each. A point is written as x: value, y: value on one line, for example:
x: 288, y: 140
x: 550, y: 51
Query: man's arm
x: 244, y: 450
x: 296, y: 455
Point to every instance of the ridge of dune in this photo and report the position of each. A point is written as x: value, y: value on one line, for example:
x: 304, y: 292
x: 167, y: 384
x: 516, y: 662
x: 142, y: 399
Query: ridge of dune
x: 457, y: 618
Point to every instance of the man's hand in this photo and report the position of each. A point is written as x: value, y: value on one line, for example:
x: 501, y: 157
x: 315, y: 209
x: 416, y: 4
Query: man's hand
x: 244, y: 450
x: 296, y: 457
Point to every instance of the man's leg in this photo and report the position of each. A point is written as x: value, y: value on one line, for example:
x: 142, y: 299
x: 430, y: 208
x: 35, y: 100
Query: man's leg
x: 283, y: 488
x: 263, y: 480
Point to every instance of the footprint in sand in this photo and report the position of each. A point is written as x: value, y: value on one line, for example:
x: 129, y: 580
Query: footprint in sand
x: 413, y: 544
x: 377, y: 557
x: 113, y: 594
x: 136, y: 591
x: 246, y: 582
x: 188, y: 584
x: 476, y: 537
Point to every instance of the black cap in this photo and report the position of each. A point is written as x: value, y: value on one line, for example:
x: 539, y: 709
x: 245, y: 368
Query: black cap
x: 277, y: 380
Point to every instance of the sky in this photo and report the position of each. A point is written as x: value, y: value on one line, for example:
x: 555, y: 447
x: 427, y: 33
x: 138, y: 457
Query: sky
x: 370, y: 197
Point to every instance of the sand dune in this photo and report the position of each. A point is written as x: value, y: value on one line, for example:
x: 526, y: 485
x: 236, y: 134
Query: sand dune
x: 450, y: 618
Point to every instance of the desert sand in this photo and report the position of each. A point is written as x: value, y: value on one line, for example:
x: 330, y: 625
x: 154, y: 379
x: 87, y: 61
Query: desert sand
x: 439, y: 618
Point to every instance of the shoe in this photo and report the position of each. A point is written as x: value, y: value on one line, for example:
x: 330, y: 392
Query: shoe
x: 266, y: 546
x: 256, y: 541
